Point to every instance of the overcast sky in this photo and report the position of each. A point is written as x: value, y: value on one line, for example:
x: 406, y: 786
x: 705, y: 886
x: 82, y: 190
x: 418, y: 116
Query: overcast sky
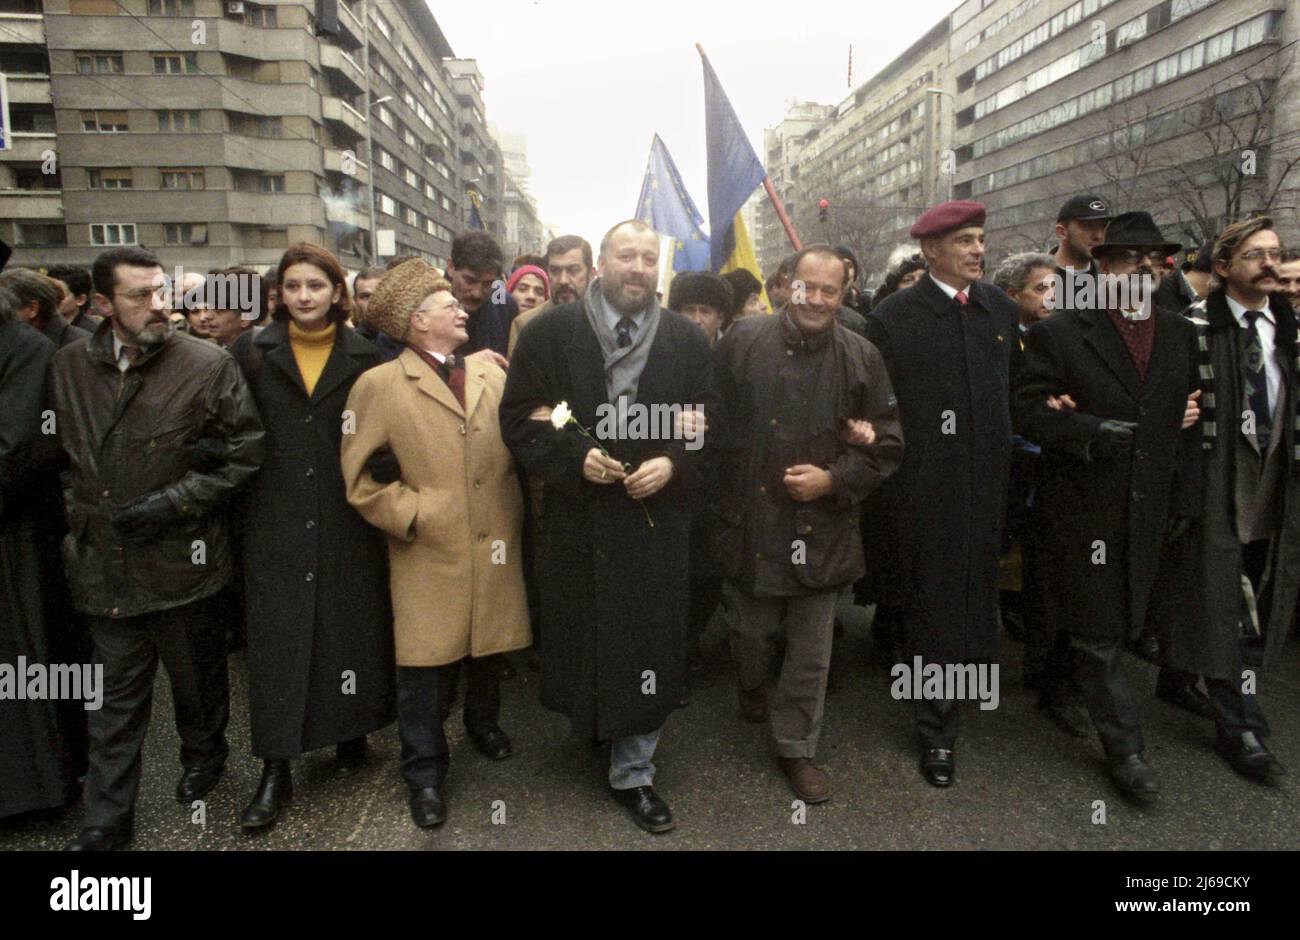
x: 589, y: 82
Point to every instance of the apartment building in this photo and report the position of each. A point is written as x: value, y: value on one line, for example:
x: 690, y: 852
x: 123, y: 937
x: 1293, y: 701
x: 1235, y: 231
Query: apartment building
x: 1178, y: 107
x: 876, y: 158
x: 782, y: 148
x: 521, y: 227
x: 218, y: 133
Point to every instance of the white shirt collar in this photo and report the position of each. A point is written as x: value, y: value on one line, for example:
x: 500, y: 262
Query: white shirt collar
x: 1239, y: 311
x: 947, y: 288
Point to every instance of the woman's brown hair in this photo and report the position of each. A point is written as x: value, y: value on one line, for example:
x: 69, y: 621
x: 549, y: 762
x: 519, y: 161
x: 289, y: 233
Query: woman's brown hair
x: 315, y: 255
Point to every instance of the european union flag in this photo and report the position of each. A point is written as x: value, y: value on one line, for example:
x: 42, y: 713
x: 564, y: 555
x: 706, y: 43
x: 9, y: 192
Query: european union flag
x: 668, y: 208
x: 734, y: 173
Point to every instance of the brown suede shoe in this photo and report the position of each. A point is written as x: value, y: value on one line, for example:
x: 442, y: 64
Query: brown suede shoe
x: 808, y: 781
x: 753, y: 704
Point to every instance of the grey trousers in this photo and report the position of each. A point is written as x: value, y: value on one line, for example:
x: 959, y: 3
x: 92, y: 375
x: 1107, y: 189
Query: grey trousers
x: 808, y: 622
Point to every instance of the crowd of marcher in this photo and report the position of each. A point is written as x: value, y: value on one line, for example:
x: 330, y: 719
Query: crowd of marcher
x: 378, y: 483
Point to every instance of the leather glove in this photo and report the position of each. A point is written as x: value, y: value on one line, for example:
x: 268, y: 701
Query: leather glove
x: 209, y: 453
x: 1114, y: 437
x: 383, y: 467
x: 144, y: 519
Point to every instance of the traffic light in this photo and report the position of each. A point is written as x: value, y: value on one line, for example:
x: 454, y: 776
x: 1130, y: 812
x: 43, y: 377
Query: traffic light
x: 823, y: 210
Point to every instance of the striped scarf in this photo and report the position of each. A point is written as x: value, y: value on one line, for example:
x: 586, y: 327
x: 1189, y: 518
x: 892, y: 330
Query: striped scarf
x: 1209, y: 426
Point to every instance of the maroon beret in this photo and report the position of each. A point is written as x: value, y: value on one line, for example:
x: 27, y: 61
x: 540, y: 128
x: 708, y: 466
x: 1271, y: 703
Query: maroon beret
x: 944, y: 218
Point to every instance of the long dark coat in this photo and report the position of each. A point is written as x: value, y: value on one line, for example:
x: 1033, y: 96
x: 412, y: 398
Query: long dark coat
x: 37, y: 737
x: 939, y: 517
x: 1199, y: 589
x: 614, y: 590
x: 1089, y: 503
x: 315, y: 574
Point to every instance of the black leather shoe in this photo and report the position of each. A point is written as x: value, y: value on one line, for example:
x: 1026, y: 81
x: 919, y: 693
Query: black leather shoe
x: 1189, y: 698
x: 1250, y: 758
x: 938, y: 766
x: 274, y: 792
x: 197, y: 782
x: 427, y: 807
x: 492, y: 743
x: 647, y: 809
x: 1133, y: 776
x: 349, y: 757
x: 99, y: 839
x: 1069, y: 716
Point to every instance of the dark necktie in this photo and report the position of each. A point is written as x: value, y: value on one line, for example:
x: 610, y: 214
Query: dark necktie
x: 626, y: 326
x: 1252, y: 368
x: 453, y: 372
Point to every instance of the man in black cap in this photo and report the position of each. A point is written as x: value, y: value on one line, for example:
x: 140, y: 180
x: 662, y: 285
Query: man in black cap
x: 1122, y: 452
x: 948, y: 342
x: 1080, y: 227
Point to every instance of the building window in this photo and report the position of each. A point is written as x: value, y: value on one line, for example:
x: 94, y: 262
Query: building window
x: 259, y: 16
x: 271, y: 183
x: 382, y: 68
x: 183, y: 178
x: 410, y: 177
x: 381, y: 24
x: 179, y: 121
x: 312, y: 78
x: 387, y: 205
x: 171, y: 7
x: 185, y: 233
x: 411, y: 216
x: 387, y: 161
x: 37, y: 233
x: 112, y: 233
x: 384, y: 115
x: 99, y: 63
x: 185, y: 64
x: 270, y: 127
x: 405, y: 55
x: 104, y: 122
x: 119, y: 178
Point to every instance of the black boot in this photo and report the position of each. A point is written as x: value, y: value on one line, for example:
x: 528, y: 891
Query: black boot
x: 349, y: 757
x: 273, y: 793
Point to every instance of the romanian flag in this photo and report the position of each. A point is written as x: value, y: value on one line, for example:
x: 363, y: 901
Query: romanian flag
x: 734, y: 173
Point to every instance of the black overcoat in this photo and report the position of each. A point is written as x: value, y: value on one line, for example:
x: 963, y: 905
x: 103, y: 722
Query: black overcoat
x: 1199, y: 592
x: 315, y: 573
x: 38, y: 737
x: 614, y: 589
x: 938, y: 519
x: 1103, y: 518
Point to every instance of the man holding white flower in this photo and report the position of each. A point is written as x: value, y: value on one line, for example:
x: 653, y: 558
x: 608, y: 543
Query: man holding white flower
x: 617, y: 507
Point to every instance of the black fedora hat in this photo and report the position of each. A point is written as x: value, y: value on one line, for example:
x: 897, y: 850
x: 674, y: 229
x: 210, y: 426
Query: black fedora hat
x: 1135, y: 230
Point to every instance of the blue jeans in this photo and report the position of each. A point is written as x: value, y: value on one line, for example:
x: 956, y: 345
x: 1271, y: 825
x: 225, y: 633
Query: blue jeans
x: 630, y: 764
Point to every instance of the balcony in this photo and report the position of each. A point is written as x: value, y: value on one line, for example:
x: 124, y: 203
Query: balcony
x: 32, y: 204
x: 350, y: 24
x: 29, y: 89
x: 338, y: 212
x: 344, y: 66
x: 334, y: 164
x: 345, y: 117
x: 23, y: 28
x: 29, y: 147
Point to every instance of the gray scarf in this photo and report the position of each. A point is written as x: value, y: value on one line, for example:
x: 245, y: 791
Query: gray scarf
x: 622, y: 366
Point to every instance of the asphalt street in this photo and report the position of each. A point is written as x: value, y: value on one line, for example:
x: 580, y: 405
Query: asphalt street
x: 1021, y: 783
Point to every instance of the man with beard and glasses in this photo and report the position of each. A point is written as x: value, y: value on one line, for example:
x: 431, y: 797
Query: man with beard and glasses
x: 160, y: 431
x: 617, y: 505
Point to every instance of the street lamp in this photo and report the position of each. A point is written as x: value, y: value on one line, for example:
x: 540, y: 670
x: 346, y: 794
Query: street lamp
x: 953, y: 170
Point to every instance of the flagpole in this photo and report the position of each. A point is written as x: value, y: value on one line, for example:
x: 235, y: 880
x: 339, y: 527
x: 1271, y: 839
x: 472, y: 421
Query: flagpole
x: 771, y: 194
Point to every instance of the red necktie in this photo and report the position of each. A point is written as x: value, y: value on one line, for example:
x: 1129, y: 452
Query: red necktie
x: 456, y: 378
x: 129, y: 353
x: 961, y: 297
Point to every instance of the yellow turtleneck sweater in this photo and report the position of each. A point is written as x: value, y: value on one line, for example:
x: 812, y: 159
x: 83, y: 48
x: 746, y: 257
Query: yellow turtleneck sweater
x: 310, y: 351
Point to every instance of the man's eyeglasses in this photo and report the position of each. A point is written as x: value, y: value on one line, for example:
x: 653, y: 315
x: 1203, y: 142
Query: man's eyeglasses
x: 1133, y: 256
x: 141, y: 294
x: 1259, y: 254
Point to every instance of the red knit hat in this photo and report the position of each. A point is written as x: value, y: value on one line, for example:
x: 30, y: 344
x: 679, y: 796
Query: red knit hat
x: 518, y: 274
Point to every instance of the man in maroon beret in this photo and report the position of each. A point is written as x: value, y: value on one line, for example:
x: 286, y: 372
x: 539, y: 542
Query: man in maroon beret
x: 948, y: 342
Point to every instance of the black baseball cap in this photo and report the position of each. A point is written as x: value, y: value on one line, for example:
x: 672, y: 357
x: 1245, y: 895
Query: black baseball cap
x: 1084, y: 208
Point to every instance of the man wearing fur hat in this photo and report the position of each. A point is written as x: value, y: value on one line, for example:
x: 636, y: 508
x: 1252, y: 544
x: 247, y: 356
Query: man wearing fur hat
x: 453, y: 517
x: 948, y: 343
x: 618, y: 501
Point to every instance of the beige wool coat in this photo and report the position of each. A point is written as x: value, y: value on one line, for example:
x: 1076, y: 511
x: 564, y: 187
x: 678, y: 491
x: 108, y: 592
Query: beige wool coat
x: 454, y: 520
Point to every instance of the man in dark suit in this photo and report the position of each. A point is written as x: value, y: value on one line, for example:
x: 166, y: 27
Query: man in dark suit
x: 618, y: 499
x: 1118, y: 471
x: 948, y: 342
